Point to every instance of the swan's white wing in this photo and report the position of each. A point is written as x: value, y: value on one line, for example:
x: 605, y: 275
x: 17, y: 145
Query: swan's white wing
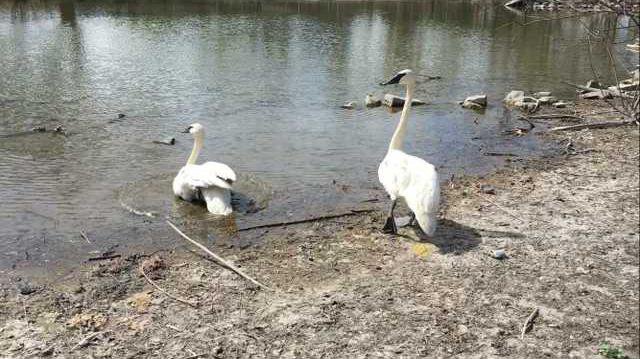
x: 209, y: 174
x: 394, y: 173
x: 415, y: 180
x: 182, y: 186
x: 423, y: 193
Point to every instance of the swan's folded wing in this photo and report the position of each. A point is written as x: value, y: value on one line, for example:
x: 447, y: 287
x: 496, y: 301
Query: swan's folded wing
x: 210, y: 174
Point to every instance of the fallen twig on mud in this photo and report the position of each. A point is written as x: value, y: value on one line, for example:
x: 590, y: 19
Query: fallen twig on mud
x: 104, y: 257
x: 329, y: 216
x: 552, y: 116
x: 528, y: 324
x: 184, y: 301
x: 196, y: 356
x: 85, y: 341
x: 593, y: 126
x: 84, y: 235
x: 218, y: 258
x: 498, y: 154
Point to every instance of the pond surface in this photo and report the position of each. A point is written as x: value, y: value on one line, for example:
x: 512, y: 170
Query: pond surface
x: 266, y: 79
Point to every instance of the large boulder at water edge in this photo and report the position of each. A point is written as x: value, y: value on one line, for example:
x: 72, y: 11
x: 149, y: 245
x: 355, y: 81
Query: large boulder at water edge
x: 397, y: 101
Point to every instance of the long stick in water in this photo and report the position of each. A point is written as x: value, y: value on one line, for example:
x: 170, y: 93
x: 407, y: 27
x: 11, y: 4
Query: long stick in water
x: 218, y: 258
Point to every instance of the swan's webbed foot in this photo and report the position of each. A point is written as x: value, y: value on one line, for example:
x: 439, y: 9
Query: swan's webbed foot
x: 390, y: 226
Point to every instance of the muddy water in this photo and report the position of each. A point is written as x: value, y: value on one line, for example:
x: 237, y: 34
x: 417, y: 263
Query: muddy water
x: 266, y: 80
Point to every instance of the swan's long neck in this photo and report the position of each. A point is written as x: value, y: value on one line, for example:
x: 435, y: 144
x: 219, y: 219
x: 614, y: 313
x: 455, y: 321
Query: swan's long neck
x: 398, y: 135
x: 197, y: 146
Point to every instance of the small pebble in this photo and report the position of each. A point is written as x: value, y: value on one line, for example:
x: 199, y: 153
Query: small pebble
x: 560, y: 104
x: 487, y: 189
x: 499, y: 254
x: 403, y: 221
x: 349, y: 105
x: 25, y: 288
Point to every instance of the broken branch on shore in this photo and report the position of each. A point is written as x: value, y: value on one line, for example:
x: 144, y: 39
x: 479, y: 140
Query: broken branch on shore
x: 528, y: 324
x: 218, y: 258
x: 85, y: 341
x: 319, y: 218
x: 104, y: 257
x: 184, y: 301
x: 581, y: 87
x: 552, y: 116
x: 597, y: 125
x: 500, y: 154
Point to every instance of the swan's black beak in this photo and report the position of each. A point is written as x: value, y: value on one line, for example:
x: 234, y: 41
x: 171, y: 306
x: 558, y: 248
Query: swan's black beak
x: 394, y: 80
x: 186, y: 130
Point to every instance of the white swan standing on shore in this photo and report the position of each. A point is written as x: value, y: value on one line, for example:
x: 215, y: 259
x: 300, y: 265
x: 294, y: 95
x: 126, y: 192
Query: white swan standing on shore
x: 210, y: 181
x: 406, y: 176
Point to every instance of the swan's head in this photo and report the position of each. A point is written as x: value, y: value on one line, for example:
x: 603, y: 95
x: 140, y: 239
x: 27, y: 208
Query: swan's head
x: 194, y: 129
x: 404, y: 77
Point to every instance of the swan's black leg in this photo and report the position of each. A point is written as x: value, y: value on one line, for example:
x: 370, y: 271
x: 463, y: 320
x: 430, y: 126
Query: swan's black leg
x: 390, y: 225
x: 412, y: 221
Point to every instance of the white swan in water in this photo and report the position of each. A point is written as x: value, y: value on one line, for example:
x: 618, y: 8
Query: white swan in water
x: 406, y: 176
x: 210, y: 181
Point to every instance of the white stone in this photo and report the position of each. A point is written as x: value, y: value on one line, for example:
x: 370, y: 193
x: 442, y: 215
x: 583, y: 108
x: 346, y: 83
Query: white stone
x: 514, y: 97
x: 478, y: 99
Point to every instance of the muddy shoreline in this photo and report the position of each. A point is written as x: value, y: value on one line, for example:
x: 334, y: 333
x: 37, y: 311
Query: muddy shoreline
x: 568, y: 223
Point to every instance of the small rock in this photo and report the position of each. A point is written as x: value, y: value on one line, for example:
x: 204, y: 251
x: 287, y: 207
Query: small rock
x: 48, y: 351
x: 560, y: 104
x: 349, y: 105
x: 600, y: 94
x: 499, y: 254
x: 403, y: 221
x: 478, y: 99
x: 472, y: 105
x: 25, y: 288
x: 77, y: 289
x: 542, y: 94
x: 39, y: 129
x: 121, y: 115
x: 515, y: 3
x: 513, y: 98
x: 487, y: 189
x: 397, y: 101
x: 628, y: 85
x: 596, y: 85
x: 168, y: 141
x: 371, y: 101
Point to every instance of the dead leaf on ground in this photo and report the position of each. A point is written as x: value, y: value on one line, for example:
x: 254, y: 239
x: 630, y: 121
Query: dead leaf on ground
x: 93, y: 321
x: 140, y: 301
x: 152, y: 265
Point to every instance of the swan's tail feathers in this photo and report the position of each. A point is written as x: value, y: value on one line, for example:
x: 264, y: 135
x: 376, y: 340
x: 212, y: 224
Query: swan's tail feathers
x: 218, y: 200
x: 428, y: 222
